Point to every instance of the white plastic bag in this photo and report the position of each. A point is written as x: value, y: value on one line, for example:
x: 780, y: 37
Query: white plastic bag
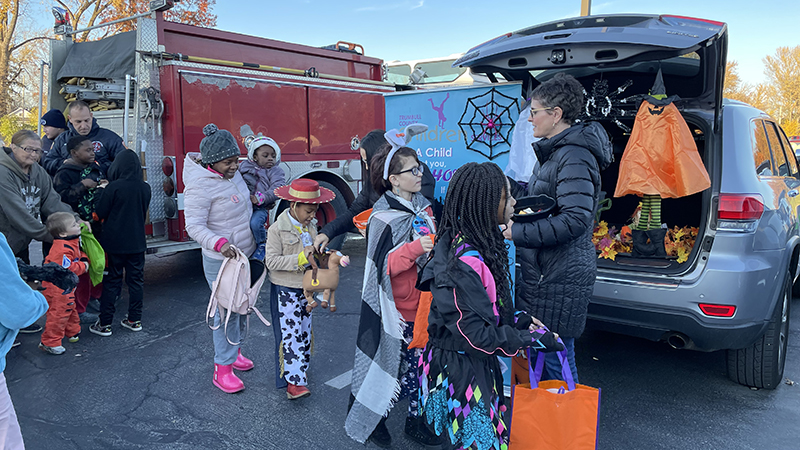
x: 521, y: 158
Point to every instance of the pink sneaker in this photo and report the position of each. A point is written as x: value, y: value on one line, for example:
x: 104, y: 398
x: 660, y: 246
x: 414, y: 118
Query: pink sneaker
x: 242, y: 363
x: 226, y: 380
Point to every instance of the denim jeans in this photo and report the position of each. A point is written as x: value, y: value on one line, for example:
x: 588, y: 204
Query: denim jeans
x: 224, y: 353
x: 257, y: 221
x: 552, y: 366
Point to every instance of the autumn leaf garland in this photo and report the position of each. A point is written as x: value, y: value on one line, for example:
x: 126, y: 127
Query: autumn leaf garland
x: 609, y: 242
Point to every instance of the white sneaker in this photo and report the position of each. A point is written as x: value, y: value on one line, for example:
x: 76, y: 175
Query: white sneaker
x: 52, y: 350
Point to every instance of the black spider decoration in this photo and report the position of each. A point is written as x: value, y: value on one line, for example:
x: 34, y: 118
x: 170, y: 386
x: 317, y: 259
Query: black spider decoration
x: 487, y: 122
x: 601, y: 104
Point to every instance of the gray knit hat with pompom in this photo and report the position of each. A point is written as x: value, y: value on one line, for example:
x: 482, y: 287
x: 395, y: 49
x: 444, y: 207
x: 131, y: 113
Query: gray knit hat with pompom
x: 217, y: 145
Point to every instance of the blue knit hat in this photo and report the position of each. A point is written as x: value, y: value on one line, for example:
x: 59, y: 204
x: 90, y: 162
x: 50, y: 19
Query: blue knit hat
x: 217, y: 145
x: 54, y: 118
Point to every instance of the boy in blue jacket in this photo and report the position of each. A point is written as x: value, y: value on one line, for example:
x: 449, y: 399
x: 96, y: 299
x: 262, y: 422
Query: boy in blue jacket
x: 20, y: 306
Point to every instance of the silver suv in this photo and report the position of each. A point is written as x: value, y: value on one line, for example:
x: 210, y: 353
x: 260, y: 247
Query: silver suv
x: 734, y: 291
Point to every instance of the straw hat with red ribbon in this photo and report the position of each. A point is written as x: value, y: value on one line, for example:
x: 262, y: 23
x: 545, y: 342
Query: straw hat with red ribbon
x: 303, y: 190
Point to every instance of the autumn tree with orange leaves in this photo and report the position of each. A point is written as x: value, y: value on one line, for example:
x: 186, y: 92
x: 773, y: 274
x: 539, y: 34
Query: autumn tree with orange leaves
x: 22, y: 45
x: 88, y: 13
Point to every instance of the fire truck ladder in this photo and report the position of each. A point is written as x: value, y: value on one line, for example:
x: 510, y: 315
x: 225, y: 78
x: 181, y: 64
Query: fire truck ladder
x: 310, y: 72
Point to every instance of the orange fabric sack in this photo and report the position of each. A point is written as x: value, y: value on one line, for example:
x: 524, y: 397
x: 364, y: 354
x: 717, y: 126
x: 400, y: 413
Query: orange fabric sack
x: 553, y: 415
x: 421, y: 321
x: 661, y: 157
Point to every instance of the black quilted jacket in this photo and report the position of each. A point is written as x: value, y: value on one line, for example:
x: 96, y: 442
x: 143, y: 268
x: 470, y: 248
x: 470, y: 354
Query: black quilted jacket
x: 556, y: 254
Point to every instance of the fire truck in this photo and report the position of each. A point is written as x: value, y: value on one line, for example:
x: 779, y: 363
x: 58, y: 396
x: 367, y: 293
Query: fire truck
x: 159, y: 85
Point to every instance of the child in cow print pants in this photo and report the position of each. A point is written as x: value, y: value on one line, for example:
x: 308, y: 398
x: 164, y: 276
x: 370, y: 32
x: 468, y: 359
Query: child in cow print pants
x: 289, y: 245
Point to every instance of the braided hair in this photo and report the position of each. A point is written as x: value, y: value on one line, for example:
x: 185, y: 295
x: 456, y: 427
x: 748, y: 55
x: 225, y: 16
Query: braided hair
x: 470, y: 212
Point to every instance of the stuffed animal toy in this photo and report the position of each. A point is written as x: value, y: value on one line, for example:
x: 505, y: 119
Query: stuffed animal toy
x: 323, y: 276
x: 52, y: 272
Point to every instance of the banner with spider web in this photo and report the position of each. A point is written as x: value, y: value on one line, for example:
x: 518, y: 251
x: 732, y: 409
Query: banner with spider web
x: 487, y: 122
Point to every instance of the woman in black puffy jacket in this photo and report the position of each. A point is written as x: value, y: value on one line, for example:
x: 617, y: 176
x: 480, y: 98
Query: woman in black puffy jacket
x: 556, y: 254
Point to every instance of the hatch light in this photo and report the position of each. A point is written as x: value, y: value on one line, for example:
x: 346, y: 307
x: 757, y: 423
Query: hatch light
x: 710, y: 22
x: 717, y: 310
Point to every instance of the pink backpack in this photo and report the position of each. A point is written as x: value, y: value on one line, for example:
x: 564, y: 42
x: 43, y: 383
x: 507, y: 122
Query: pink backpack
x: 236, y: 290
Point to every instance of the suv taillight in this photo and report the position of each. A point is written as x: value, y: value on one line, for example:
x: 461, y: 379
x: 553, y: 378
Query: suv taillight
x: 739, y: 212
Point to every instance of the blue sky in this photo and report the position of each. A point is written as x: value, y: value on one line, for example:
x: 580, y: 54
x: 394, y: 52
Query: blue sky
x: 415, y: 29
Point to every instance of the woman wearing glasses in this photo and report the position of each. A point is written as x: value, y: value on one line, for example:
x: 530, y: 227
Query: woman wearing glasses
x: 370, y: 145
x: 399, y: 237
x: 27, y: 194
x: 556, y: 253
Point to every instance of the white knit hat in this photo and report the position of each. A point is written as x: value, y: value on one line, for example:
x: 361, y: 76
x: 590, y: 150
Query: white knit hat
x: 254, y: 141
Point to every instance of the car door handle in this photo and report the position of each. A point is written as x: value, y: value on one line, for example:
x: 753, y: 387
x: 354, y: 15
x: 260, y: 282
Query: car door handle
x: 793, y: 193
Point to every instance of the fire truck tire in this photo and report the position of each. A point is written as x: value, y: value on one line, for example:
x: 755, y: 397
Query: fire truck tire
x: 330, y: 211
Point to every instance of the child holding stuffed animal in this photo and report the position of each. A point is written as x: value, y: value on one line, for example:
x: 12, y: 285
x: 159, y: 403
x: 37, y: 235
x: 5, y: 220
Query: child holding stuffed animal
x: 398, y: 241
x: 62, y: 316
x: 289, y: 246
x: 263, y: 175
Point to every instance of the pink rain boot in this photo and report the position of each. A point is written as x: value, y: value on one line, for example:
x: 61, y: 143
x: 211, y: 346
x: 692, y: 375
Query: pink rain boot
x: 226, y: 380
x: 242, y: 363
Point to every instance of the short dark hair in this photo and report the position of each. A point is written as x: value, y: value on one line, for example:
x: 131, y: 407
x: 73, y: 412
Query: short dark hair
x: 77, y: 104
x: 396, y: 165
x: 58, y: 222
x: 75, y: 142
x: 563, y: 91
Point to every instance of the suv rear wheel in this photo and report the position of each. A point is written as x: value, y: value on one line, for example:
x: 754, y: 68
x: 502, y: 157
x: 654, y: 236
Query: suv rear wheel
x: 761, y: 364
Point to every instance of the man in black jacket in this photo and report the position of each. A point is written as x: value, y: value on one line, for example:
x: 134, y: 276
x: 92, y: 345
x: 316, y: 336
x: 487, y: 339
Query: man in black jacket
x: 123, y: 206
x: 106, y: 143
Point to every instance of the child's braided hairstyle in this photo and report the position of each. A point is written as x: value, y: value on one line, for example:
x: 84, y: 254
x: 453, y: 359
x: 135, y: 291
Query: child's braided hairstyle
x: 470, y: 211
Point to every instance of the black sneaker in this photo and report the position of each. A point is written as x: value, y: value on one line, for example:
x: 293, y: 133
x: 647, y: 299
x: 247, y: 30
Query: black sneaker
x: 417, y: 430
x: 380, y: 435
x: 35, y: 328
x: 101, y: 330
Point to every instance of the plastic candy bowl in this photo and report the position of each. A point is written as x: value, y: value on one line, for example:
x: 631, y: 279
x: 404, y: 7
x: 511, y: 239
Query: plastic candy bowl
x: 360, y: 221
x: 533, y: 208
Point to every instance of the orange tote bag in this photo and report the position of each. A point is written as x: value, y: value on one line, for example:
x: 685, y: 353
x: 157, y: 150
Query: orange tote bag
x: 553, y: 415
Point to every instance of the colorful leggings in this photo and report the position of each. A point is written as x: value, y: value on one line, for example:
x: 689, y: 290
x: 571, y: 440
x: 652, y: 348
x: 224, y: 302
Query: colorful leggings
x: 296, y: 337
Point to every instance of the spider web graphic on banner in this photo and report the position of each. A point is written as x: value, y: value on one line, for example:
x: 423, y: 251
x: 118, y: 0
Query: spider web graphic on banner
x: 487, y: 122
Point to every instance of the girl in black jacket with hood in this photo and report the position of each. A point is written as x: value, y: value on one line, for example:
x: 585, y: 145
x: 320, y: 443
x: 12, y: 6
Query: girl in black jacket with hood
x: 557, y: 258
x: 123, y: 208
x: 472, y: 320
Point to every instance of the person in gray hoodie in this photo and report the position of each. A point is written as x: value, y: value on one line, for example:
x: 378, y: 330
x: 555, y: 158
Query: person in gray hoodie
x: 27, y: 194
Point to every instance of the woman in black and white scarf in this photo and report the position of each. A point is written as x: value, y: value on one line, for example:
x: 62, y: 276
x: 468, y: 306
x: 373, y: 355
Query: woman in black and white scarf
x: 399, y: 237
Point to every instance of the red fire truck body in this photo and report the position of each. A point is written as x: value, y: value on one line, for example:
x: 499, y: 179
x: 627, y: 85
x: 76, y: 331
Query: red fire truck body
x: 313, y: 119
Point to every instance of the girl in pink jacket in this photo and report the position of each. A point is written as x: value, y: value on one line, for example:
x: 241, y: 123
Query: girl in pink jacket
x: 218, y: 209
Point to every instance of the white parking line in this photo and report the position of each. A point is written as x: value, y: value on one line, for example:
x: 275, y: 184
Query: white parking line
x: 341, y: 381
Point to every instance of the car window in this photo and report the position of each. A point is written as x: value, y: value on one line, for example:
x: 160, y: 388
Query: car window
x: 777, y: 150
x: 791, y: 156
x: 761, y: 149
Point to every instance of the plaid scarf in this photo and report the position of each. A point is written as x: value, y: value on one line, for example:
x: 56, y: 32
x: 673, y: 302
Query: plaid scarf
x: 375, y: 386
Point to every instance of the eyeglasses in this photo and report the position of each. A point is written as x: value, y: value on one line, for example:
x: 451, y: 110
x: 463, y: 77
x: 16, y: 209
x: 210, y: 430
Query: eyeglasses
x: 535, y: 110
x: 416, y: 171
x: 31, y: 149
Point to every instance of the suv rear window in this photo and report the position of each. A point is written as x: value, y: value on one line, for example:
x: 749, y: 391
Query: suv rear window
x: 777, y: 150
x: 761, y: 150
